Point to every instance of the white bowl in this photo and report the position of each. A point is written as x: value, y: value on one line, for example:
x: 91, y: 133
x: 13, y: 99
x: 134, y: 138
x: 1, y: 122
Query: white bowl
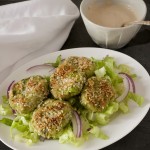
x: 113, y: 38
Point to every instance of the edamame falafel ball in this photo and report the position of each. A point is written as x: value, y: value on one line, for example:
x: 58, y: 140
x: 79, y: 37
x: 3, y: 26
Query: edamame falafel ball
x: 97, y: 94
x: 83, y: 64
x: 26, y: 94
x: 66, y: 82
x: 51, y: 117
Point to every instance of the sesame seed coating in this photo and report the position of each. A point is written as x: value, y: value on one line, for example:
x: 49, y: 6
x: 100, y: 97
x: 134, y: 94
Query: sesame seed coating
x: 83, y: 64
x: 66, y: 82
x: 51, y: 117
x: 97, y: 94
x: 26, y: 94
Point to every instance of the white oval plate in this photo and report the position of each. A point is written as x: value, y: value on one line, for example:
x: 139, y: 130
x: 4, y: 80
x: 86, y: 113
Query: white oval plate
x: 116, y: 129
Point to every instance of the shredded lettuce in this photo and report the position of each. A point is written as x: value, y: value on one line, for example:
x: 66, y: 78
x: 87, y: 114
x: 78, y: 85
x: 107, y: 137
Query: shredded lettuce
x: 98, y: 133
x: 109, y: 62
x: 5, y: 99
x: 98, y: 63
x: 5, y: 108
x: 136, y: 98
x: 104, y: 117
x: 100, y: 72
x: 112, y: 108
x: 69, y: 137
x: 21, y: 131
x: 58, y: 62
x: 126, y: 69
x: 6, y: 121
x: 123, y: 106
x: 101, y: 118
x: 108, y: 68
x: 139, y: 100
x: 87, y: 129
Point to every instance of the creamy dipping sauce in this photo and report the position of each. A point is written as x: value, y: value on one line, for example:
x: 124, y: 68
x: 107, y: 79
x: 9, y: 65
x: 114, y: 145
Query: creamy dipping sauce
x: 110, y: 14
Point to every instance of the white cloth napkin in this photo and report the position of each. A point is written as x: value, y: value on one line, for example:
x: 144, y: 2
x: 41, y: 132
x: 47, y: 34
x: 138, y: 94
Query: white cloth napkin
x: 33, y: 28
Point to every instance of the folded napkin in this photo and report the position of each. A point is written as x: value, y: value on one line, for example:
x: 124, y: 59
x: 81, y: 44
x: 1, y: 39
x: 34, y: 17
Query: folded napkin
x: 33, y: 28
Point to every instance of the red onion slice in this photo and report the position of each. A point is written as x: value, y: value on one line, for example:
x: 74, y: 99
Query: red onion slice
x: 132, y: 84
x: 77, y: 124
x: 9, y: 87
x: 44, y: 65
x: 127, y: 88
x: 40, y: 66
x: 52, y: 70
x: 14, y: 112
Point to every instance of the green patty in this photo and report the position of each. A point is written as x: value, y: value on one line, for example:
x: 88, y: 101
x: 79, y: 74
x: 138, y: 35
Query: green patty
x: 97, y: 94
x: 66, y: 82
x: 51, y: 117
x: 83, y: 64
x: 26, y: 94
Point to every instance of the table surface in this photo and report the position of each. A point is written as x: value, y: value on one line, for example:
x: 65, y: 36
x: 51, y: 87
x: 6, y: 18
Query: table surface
x: 139, y: 49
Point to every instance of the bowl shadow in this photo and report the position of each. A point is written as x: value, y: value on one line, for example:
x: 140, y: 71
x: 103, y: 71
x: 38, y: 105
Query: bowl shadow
x: 142, y: 38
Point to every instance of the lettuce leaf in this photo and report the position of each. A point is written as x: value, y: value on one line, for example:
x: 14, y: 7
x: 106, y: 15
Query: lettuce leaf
x: 108, y: 69
x: 104, y: 117
x: 98, y: 63
x: 98, y: 133
x: 136, y: 98
x: 126, y: 69
x: 6, y: 121
x: 100, y: 72
x: 5, y: 108
x: 124, y: 107
x: 139, y: 100
x: 21, y: 131
x: 87, y: 129
x: 69, y: 137
x: 58, y: 62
